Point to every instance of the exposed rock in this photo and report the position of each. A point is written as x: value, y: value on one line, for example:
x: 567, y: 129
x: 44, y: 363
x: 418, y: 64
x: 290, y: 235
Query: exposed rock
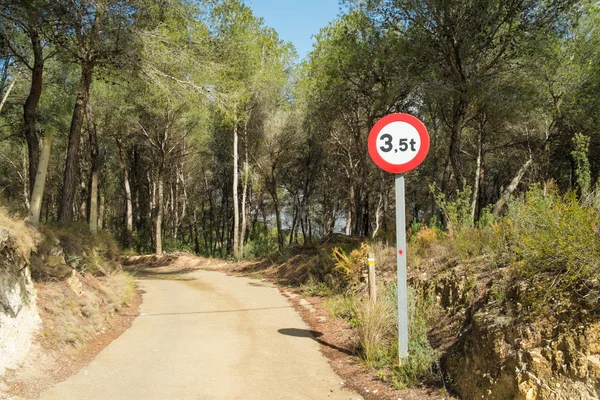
x: 507, y: 351
x: 75, y: 283
x: 19, y: 317
x: 49, y: 262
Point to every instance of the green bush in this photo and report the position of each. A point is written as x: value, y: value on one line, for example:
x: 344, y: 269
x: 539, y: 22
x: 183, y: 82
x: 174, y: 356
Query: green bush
x: 551, y: 233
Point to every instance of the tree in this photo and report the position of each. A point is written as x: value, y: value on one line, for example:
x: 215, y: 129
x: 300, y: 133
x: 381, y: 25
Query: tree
x: 20, y: 20
x: 94, y: 33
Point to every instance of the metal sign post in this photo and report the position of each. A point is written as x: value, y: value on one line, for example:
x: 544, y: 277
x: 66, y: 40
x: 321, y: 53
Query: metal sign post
x: 399, y: 143
x: 401, y: 266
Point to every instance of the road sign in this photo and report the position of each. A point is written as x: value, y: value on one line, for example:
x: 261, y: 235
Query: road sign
x: 399, y: 143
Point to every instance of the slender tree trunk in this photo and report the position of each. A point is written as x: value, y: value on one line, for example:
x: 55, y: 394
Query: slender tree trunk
x: 159, y: 213
x: 512, y: 187
x: 244, y: 192
x: 184, y: 198
x: 10, y: 88
x: 128, y: 202
x: 378, y: 215
x: 350, y: 209
x: 40, y: 181
x: 25, y: 179
x: 102, y: 210
x: 278, y: 220
x: 236, y: 211
x: 95, y: 170
x: 435, y: 160
x: 94, y: 203
x: 477, y: 179
x: 264, y: 217
x: 294, y: 222
x: 65, y: 212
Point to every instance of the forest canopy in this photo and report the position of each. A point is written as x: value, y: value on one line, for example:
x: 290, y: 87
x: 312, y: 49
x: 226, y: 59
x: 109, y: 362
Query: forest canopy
x: 190, y: 125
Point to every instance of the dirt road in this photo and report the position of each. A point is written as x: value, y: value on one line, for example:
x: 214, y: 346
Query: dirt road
x: 204, y: 335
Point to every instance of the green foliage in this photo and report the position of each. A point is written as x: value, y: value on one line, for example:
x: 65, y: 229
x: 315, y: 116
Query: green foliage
x: 458, y: 211
x: 349, y: 266
x: 316, y: 288
x: 581, y: 144
x: 548, y: 232
x: 343, y: 307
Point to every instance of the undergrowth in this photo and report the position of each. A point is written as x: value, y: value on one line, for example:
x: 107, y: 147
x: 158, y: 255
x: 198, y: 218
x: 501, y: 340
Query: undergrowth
x: 543, y: 233
x: 70, y: 319
x: 97, y: 253
x: 377, y: 334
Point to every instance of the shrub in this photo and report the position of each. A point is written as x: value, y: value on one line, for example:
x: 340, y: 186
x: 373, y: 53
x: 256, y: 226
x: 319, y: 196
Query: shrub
x: 349, y: 266
x: 456, y: 212
x: 425, y: 239
x: 551, y: 233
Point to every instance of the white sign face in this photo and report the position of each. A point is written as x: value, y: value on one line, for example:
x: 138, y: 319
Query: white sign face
x: 398, y: 143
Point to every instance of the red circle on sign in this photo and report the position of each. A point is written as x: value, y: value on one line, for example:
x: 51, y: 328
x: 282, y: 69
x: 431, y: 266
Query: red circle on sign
x: 398, y: 168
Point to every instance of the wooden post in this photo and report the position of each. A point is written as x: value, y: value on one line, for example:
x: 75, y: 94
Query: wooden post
x: 372, y: 286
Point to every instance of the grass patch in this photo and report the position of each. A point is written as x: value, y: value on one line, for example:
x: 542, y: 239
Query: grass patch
x: 377, y: 332
x: 70, y: 319
x: 25, y: 237
x: 96, y: 253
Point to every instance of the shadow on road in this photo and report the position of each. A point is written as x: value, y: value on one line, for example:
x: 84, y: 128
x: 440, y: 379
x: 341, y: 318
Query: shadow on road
x: 260, y: 284
x: 153, y: 274
x: 314, y: 335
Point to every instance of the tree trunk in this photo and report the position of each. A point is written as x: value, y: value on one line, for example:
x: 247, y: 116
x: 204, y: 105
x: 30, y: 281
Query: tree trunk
x: 10, y: 88
x: 30, y: 106
x: 159, y: 214
x: 477, y: 180
x: 40, y: 181
x: 236, y: 211
x: 101, y: 211
x: 128, y: 202
x: 512, y: 187
x: 378, y: 215
x: 93, y: 222
x: 65, y: 212
x: 278, y: 220
x: 95, y: 167
x: 350, y: 209
x: 244, y: 192
x: 294, y: 222
x: 25, y: 180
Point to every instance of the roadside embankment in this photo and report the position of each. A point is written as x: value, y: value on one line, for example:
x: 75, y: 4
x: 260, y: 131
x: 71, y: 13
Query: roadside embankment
x: 63, y: 299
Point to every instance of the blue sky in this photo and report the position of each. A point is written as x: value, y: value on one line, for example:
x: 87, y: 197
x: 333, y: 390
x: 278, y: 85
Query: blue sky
x: 296, y: 21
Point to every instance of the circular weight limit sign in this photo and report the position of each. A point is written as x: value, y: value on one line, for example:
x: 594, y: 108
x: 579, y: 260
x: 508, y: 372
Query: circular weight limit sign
x: 398, y: 143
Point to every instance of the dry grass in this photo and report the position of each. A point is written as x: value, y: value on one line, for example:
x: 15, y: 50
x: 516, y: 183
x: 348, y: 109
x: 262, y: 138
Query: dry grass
x: 24, y: 237
x: 376, y: 325
x: 71, y: 319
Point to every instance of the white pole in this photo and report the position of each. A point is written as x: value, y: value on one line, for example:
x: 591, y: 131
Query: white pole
x: 401, y: 265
